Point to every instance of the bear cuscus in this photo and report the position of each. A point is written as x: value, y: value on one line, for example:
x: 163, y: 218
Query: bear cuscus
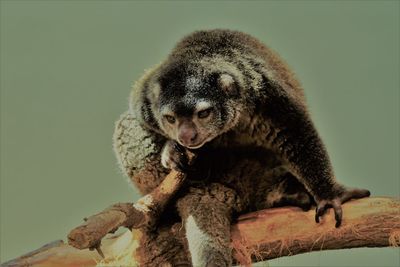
x: 234, y: 102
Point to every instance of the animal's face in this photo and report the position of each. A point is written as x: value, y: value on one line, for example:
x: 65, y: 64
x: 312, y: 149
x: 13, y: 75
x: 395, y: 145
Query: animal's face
x: 194, y: 109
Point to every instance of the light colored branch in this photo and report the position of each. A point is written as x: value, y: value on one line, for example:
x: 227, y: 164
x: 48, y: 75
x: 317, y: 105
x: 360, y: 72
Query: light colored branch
x: 144, y: 213
x: 273, y: 233
x: 266, y: 234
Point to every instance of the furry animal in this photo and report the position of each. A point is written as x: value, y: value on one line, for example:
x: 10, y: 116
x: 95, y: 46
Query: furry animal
x: 230, y: 99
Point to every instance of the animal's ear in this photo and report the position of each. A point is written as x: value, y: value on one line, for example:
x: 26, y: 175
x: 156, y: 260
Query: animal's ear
x: 227, y: 84
x: 153, y: 91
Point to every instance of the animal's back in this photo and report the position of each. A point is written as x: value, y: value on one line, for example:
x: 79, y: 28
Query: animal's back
x: 240, y: 48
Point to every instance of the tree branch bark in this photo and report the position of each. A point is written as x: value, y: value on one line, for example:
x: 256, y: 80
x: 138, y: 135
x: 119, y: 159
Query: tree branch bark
x: 266, y: 234
x: 143, y: 213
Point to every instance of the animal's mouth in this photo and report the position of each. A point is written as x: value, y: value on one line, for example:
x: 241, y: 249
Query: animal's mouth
x: 193, y: 146
x: 197, y: 145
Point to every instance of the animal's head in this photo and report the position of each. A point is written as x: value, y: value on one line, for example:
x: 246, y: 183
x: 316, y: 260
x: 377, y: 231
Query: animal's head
x: 195, y: 105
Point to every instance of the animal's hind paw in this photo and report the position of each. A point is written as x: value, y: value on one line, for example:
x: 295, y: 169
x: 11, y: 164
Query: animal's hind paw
x: 336, y: 203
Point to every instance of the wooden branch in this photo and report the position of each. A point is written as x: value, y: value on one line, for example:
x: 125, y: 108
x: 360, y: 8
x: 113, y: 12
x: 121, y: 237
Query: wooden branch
x: 141, y: 214
x: 273, y: 233
x: 144, y: 213
x: 266, y: 234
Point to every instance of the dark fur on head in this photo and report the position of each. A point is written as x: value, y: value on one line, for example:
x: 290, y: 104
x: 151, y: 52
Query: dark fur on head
x: 176, y: 100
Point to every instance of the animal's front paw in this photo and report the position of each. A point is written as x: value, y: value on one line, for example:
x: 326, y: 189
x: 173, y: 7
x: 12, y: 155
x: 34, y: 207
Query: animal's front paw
x: 336, y: 203
x: 175, y: 156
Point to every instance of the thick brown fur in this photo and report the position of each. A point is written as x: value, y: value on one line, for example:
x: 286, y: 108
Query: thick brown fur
x: 266, y: 151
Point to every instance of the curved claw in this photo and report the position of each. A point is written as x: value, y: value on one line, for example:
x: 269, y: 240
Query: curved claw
x: 320, y: 210
x: 337, y: 207
x: 316, y: 216
x: 354, y: 193
x: 182, y: 167
x: 323, y: 207
x: 336, y: 204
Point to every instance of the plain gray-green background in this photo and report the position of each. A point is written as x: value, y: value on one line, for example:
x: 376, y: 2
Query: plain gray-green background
x: 66, y: 72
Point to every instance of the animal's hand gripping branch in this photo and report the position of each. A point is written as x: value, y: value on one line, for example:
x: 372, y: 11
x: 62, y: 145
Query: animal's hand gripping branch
x: 143, y: 213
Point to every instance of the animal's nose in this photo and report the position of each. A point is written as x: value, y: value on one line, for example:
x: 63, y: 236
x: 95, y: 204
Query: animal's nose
x: 187, y: 135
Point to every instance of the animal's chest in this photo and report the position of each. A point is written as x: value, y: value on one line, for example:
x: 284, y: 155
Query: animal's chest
x: 238, y: 158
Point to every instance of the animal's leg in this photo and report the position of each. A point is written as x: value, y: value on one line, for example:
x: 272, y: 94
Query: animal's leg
x: 282, y: 188
x: 163, y: 247
x: 206, y: 213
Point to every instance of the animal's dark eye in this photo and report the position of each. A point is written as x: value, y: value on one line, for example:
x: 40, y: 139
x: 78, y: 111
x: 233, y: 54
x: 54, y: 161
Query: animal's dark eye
x: 170, y: 119
x: 204, y: 113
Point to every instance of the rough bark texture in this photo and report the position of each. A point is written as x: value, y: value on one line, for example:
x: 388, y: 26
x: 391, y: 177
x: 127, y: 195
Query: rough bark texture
x: 143, y: 213
x: 266, y: 234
